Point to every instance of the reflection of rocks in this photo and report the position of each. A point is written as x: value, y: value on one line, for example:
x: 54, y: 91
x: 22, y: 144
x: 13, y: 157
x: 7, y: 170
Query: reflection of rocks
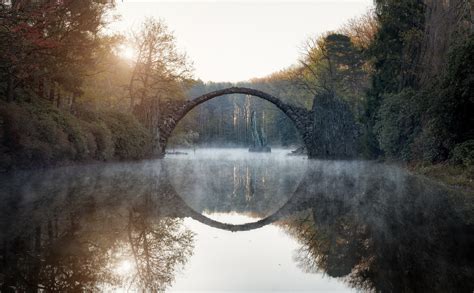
x: 383, y: 230
x: 235, y: 185
x: 375, y: 226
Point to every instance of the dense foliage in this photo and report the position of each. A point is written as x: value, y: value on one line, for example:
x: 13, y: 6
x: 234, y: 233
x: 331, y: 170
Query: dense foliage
x: 66, y: 94
x: 401, y: 76
x: 37, y: 134
x: 412, y: 119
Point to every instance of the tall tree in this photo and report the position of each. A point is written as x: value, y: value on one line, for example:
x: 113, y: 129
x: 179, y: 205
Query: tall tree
x: 333, y: 65
x: 159, y: 73
x: 394, y: 54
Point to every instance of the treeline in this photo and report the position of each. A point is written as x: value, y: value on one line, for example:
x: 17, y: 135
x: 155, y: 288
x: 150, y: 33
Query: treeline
x: 226, y: 120
x: 405, y: 72
x: 334, y: 72
x: 420, y: 104
x: 68, y: 94
x: 396, y: 83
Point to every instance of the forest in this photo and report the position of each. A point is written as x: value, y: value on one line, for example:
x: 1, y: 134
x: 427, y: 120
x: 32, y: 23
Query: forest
x: 401, y: 75
x: 124, y: 168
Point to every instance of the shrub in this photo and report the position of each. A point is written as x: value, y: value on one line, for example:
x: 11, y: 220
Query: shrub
x: 24, y: 139
x: 103, y: 140
x: 76, y: 135
x: 398, y: 123
x: 463, y: 153
x: 131, y: 139
x: 36, y: 134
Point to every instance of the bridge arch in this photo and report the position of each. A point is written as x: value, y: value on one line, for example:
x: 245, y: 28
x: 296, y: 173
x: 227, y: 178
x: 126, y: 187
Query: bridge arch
x: 300, y: 117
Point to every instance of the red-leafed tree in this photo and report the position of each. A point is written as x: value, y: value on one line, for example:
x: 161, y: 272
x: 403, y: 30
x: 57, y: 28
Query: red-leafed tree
x: 48, y: 46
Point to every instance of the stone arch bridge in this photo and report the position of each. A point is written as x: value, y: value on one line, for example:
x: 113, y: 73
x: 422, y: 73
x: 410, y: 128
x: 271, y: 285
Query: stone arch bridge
x: 173, y: 112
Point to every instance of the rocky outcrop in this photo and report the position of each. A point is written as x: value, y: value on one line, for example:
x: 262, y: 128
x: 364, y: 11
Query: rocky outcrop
x: 334, y: 134
x: 258, y: 137
x: 328, y: 131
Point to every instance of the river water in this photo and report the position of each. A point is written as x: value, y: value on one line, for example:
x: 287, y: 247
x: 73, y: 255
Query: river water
x: 229, y: 220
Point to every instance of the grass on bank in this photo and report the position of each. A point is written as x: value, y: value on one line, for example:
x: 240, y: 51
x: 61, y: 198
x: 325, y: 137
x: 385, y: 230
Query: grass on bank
x: 457, y: 176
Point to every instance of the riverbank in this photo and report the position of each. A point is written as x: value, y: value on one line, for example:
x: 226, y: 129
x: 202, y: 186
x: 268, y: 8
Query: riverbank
x: 35, y: 134
x: 456, y: 176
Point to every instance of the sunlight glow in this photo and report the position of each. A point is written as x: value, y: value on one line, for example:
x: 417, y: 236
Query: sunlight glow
x: 124, y: 267
x: 127, y: 52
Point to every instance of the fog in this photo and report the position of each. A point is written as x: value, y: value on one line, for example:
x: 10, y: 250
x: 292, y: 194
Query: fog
x: 331, y: 225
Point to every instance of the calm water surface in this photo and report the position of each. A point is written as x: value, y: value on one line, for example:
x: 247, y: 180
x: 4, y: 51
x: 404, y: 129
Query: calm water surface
x: 229, y: 220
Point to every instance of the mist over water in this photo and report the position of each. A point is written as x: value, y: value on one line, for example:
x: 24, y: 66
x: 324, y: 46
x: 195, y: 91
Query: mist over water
x: 235, y: 180
x: 227, y: 219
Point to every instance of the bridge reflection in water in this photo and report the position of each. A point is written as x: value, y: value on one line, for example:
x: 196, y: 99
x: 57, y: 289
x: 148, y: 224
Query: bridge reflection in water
x: 95, y: 228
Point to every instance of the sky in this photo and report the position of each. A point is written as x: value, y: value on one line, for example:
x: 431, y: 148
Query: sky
x: 240, y: 40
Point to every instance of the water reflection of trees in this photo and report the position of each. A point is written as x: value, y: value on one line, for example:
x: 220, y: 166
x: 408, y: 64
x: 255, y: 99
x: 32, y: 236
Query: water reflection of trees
x: 71, y: 231
x: 157, y: 248
x: 378, y: 228
x: 382, y: 230
x: 244, y: 186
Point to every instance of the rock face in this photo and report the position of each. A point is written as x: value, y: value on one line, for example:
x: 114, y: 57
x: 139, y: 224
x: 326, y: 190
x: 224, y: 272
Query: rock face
x: 334, y: 133
x: 258, y: 137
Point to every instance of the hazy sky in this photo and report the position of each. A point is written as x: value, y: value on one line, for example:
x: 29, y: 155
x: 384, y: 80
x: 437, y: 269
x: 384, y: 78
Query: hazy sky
x: 238, y: 40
